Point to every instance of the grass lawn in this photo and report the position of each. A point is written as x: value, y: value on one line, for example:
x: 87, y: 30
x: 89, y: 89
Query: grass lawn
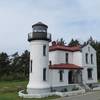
x: 99, y: 80
x: 9, y: 90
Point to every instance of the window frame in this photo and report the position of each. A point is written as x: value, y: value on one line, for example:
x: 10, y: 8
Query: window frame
x: 61, y: 75
x: 44, y: 74
x: 44, y: 50
x: 90, y: 71
x: 50, y: 62
x: 86, y: 58
x: 31, y: 66
x: 92, y: 59
x: 66, y: 57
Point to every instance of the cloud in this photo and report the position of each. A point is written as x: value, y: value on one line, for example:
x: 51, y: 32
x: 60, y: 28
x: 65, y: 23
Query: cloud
x: 67, y: 19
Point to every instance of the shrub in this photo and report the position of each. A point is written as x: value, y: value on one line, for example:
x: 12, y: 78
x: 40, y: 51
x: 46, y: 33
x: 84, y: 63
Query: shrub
x: 75, y: 88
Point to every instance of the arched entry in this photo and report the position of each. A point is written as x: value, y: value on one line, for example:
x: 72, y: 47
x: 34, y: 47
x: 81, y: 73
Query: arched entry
x: 70, y: 77
x: 74, y: 76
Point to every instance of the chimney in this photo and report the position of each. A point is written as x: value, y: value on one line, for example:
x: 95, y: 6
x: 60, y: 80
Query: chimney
x: 53, y: 43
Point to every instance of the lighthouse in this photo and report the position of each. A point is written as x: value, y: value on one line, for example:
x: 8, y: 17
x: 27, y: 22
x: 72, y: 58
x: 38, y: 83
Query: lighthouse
x: 39, y: 40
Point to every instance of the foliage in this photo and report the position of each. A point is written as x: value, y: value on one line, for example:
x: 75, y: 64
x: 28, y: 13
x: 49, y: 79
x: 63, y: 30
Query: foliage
x: 75, y: 89
x: 14, y: 67
x: 61, y: 41
x: 4, y: 65
x: 74, y: 43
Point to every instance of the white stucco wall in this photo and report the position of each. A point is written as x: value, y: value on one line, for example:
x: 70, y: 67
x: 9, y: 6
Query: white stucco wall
x: 85, y: 75
x: 58, y: 57
x: 54, y: 78
x: 89, y: 65
x: 77, y: 58
x: 38, y: 63
x: 92, y: 51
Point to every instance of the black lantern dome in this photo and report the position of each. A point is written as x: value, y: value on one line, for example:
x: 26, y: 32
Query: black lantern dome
x: 39, y: 32
x: 39, y: 27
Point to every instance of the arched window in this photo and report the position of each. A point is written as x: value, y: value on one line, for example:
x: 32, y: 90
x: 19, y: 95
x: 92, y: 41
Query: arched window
x: 91, y: 58
x: 66, y: 58
x: 89, y: 70
x: 44, y: 50
x: 30, y: 66
x: 61, y: 75
x: 89, y: 49
x: 44, y: 74
x: 50, y: 62
x: 86, y: 58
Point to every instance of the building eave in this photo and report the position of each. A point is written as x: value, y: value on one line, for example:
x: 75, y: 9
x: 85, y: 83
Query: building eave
x: 64, y: 66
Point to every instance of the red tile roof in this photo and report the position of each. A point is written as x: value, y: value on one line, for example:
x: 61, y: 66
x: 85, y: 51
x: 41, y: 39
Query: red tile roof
x: 64, y: 48
x: 65, y: 66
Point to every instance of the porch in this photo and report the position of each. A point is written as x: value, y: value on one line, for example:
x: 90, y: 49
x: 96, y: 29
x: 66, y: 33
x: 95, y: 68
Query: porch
x: 74, y: 72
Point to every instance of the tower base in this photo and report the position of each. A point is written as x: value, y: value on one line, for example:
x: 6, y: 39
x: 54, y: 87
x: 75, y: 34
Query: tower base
x: 38, y: 90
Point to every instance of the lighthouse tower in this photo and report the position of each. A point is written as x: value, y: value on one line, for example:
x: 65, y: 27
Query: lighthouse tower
x: 39, y: 46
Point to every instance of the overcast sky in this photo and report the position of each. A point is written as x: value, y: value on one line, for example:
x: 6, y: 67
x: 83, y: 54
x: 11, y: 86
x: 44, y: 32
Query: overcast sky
x: 65, y: 18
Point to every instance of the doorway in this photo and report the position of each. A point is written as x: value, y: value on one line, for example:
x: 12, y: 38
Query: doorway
x: 70, y: 77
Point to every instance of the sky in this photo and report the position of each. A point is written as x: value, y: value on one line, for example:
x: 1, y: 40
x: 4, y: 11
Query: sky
x: 78, y: 19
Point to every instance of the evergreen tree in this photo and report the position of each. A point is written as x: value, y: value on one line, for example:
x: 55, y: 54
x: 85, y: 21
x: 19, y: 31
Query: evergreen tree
x: 61, y: 42
x: 4, y: 65
x: 20, y: 65
x: 74, y: 42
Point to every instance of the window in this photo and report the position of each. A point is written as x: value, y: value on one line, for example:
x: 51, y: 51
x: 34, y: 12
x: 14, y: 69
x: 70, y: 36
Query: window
x: 50, y: 63
x: 44, y: 74
x: 44, y: 50
x: 89, y: 49
x: 91, y: 58
x: 86, y: 58
x: 89, y: 73
x: 66, y: 58
x: 61, y: 75
x: 30, y: 66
